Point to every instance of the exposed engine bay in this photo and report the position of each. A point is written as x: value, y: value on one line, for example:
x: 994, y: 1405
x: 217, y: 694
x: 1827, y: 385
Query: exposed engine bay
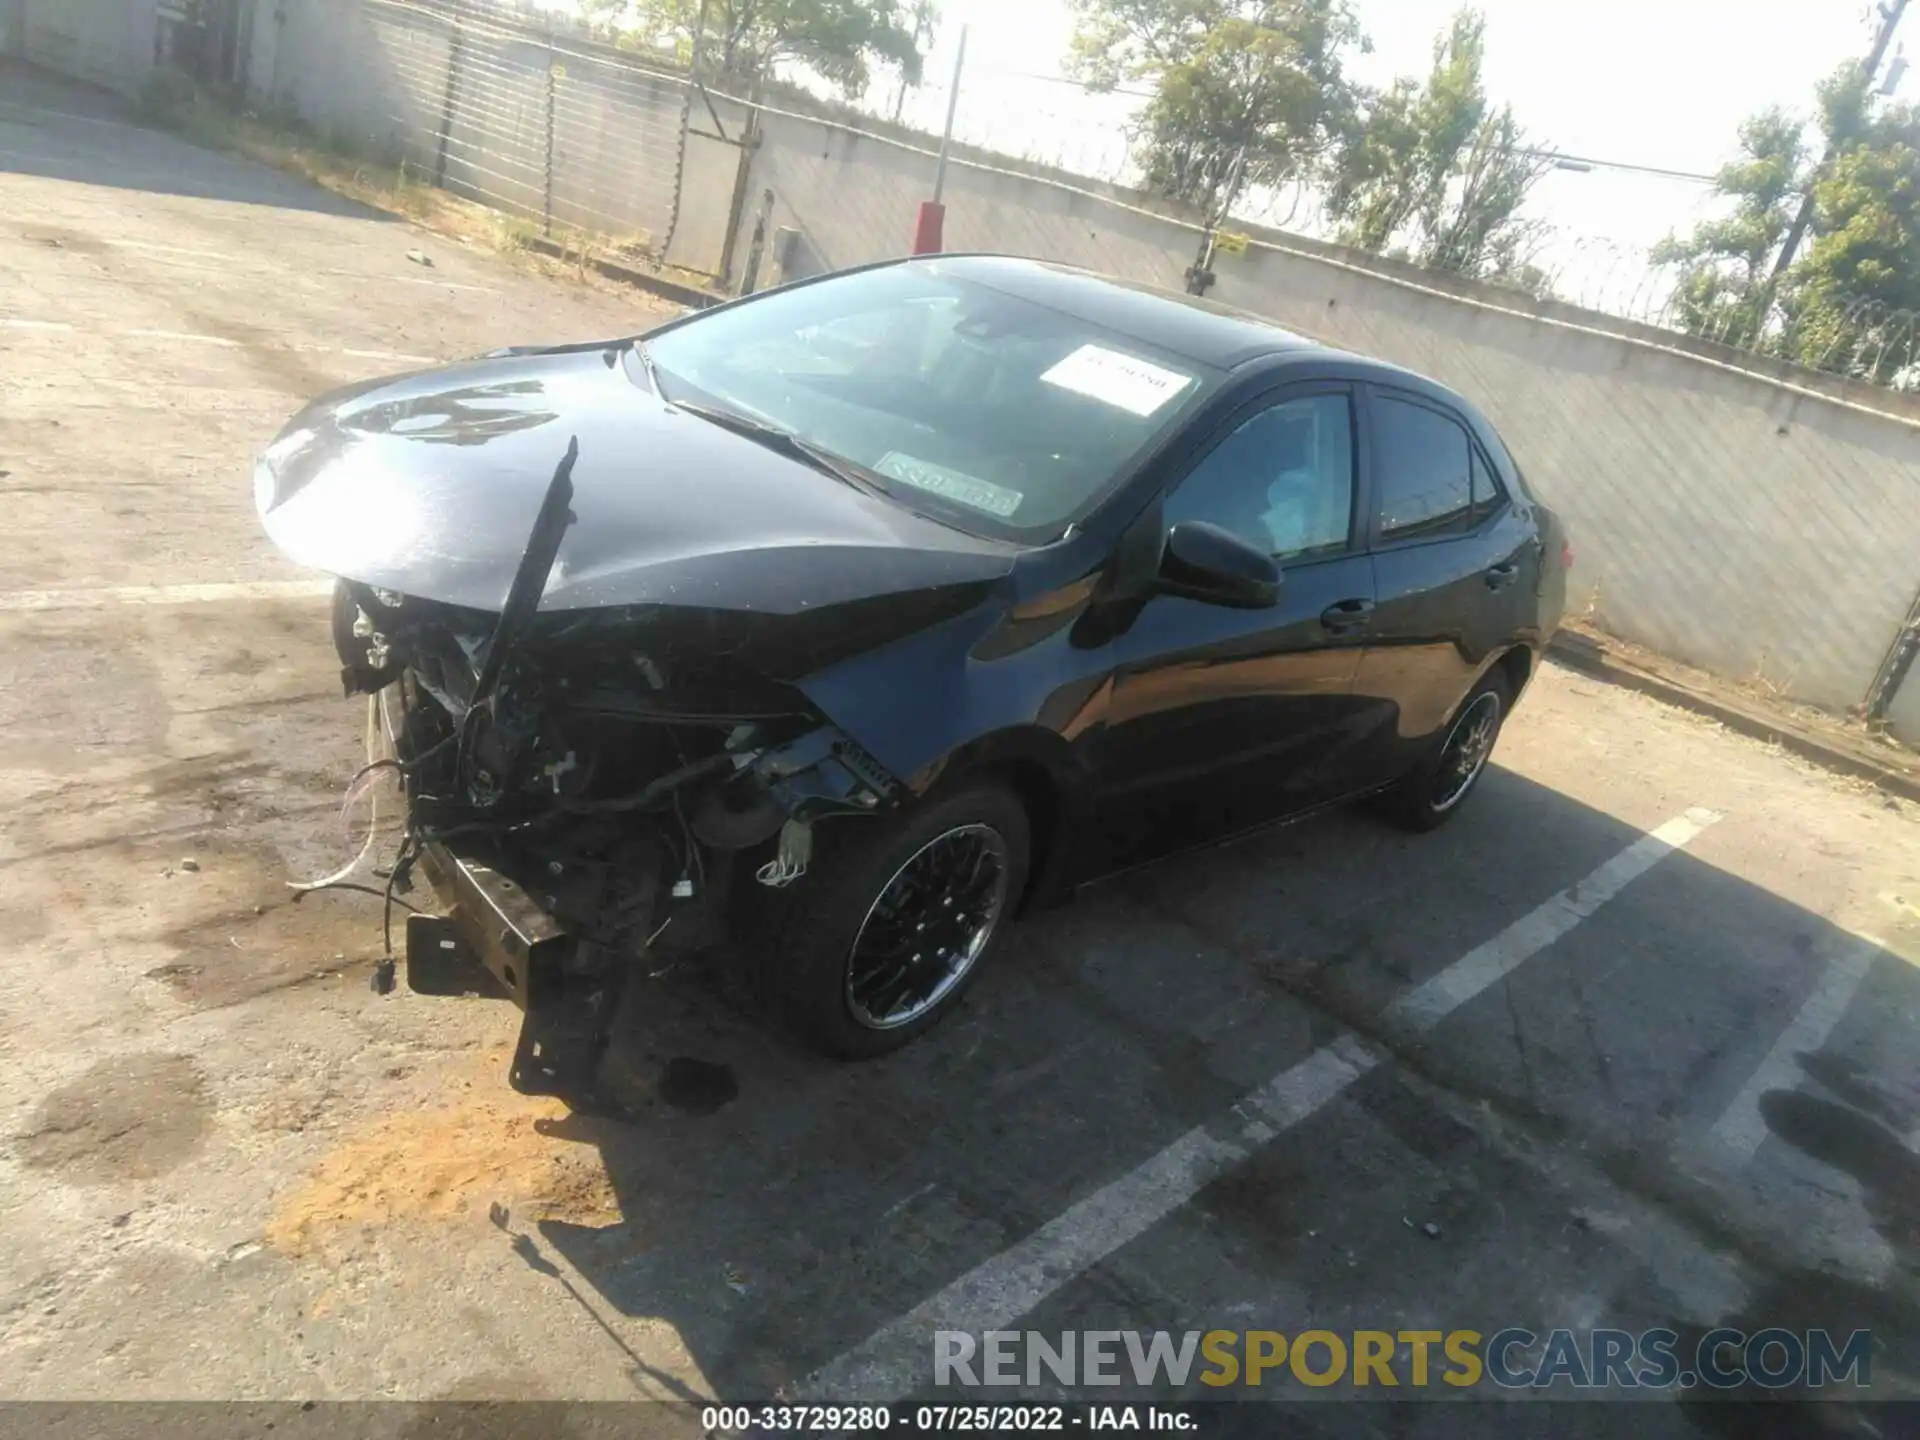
x: 578, y: 804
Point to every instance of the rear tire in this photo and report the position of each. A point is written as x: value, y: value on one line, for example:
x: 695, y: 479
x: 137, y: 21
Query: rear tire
x: 1440, y: 784
x: 874, y: 945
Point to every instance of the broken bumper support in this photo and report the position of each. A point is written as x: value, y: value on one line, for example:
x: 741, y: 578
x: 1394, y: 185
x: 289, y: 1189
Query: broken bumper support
x: 569, y: 993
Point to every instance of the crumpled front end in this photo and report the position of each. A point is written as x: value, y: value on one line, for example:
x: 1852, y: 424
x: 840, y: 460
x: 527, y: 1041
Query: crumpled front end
x: 592, y: 797
x: 592, y: 672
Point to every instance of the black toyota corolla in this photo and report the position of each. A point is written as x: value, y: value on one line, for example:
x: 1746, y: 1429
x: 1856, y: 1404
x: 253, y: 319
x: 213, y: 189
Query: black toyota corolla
x: 829, y: 628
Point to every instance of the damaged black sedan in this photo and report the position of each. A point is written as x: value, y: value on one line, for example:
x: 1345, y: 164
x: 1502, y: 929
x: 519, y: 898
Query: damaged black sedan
x: 831, y: 627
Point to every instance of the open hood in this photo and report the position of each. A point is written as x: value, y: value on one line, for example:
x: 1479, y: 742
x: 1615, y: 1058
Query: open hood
x: 429, y: 484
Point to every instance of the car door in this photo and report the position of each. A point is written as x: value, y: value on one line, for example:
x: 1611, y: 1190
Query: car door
x: 1221, y: 718
x: 1454, y: 560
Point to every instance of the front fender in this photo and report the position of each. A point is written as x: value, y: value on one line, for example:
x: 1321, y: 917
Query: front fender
x: 945, y: 696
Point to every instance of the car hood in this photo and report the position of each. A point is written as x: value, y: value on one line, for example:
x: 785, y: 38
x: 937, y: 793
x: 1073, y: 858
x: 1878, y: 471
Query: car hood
x: 428, y: 484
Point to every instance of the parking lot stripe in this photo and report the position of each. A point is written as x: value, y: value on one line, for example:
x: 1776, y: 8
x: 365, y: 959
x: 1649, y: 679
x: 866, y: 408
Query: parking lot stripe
x: 399, y: 355
x: 1848, y: 957
x: 108, y: 595
x: 186, y: 337
x: 894, y: 1361
x: 1478, y: 968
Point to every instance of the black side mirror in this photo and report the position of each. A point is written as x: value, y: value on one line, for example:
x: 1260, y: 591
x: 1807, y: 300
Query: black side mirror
x: 1204, y: 561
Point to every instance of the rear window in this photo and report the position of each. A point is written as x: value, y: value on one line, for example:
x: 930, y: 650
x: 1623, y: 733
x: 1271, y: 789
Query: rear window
x: 993, y: 413
x: 1422, y: 471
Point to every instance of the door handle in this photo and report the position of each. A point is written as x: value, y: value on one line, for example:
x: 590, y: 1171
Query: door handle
x: 1501, y: 576
x: 1346, y: 615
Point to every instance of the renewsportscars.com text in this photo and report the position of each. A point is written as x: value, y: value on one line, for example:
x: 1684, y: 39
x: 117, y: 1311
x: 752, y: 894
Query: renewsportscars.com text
x: 1513, y: 1358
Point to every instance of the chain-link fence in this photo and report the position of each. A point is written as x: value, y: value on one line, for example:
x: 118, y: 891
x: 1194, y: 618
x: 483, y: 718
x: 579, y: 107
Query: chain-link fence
x: 542, y: 127
x: 570, y: 136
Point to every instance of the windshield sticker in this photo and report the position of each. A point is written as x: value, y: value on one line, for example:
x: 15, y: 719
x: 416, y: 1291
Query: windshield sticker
x: 1115, y: 379
x: 952, y: 484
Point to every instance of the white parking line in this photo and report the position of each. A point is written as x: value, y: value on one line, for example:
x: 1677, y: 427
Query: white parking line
x: 413, y: 280
x: 109, y: 595
x: 1477, y: 969
x: 1741, y: 1128
x: 399, y: 355
x: 188, y: 337
x: 998, y: 1291
x: 157, y: 249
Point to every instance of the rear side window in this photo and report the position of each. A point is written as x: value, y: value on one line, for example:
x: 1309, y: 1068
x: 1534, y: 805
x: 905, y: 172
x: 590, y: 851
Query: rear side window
x: 1423, y: 471
x: 1488, y: 496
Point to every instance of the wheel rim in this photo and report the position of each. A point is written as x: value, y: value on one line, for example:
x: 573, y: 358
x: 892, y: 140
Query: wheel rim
x: 929, y: 925
x: 1465, y: 754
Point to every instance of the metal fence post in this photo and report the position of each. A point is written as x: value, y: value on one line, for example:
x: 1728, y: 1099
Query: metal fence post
x: 686, y: 123
x: 736, y: 208
x: 455, y: 53
x: 546, y: 222
x: 1898, y: 666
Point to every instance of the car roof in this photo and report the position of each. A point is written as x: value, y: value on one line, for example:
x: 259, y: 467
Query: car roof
x: 1185, y: 325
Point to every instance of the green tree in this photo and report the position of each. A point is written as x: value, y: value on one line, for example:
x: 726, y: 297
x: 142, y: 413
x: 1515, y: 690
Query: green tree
x: 742, y: 41
x: 1246, y: 92
x: 1723, y: 266
x: 1850, y: 299
x: 1431, y: 170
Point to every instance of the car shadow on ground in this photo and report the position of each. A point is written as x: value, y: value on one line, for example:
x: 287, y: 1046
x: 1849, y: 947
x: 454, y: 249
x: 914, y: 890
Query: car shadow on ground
x: 777, y: 1210
x: 58, y: 129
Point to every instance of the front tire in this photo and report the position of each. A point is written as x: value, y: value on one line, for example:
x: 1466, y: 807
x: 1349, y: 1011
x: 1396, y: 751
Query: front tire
x: 1434, y: 793
x: 894, y: 918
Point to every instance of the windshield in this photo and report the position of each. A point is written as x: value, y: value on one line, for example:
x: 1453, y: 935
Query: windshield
x: 996, y: 414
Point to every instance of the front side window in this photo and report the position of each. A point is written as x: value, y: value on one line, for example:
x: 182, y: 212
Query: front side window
x: 989, y: 411
x: 1422, y: 471
x: 1283, y: 479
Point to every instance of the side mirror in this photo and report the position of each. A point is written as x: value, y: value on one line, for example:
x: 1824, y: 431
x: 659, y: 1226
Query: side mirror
x: 1204, y: 561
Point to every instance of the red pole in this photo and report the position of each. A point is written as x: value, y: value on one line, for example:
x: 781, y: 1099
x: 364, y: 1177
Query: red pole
x: 927, y: 226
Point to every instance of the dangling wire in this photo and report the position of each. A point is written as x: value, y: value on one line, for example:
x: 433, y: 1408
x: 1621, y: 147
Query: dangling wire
x: 373, y: 812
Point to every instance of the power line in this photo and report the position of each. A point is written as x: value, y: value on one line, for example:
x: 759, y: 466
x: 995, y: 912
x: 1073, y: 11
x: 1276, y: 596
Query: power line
x: 1562, y: 159
x: 1583, y: 162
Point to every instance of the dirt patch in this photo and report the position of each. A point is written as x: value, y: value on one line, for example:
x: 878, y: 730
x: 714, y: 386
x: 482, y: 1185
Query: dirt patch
x: 448, y: 1164
x: 1755, y: 699
x: 271, y: 943
x: 285, y: 367
x: 129, y: 1118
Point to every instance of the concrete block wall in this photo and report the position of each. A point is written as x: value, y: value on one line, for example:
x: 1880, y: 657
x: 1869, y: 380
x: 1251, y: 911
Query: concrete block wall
x: 377, y: 73
x: 853, y: 198
x: 370, y: 74
x: 104, y: 42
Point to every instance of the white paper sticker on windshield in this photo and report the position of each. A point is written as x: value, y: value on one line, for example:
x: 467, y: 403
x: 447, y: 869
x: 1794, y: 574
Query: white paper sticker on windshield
x: 965, y: 489
x: 1115, y: 379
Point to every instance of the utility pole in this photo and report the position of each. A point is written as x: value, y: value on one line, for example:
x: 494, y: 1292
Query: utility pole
x: 1890, y: 13
x: 953, y: 104
x: 930, y: 224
